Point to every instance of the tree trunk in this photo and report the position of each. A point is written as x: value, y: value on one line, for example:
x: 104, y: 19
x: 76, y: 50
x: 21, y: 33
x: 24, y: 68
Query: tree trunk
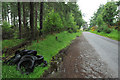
x: 36, y: 20
x: 11, y: 13
x: 3, y: 16
x: 11, y: 18
x: 8, y: 14
x: 32, y: 20
x: 24, y: 18
x: 36, y: 16
x: 19, y: 15
x: 41, y: 17
x: 8, y: 18
x: 14, y: 20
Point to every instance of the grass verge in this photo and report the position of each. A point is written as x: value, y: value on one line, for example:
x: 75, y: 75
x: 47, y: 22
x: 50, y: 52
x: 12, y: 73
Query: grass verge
x: 47, y: 48
x: 113, y: 35
x: 10, y: 43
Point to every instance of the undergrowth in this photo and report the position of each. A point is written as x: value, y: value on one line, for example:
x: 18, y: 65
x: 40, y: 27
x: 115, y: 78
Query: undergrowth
x: 10, y: 43
x: 113, y: 35
x: 47, y: 48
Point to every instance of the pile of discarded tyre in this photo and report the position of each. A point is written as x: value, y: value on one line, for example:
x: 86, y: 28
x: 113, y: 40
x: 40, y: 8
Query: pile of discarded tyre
x: 26, y: 60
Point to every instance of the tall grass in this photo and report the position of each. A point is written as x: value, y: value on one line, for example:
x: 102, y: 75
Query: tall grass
x: 47, y: 48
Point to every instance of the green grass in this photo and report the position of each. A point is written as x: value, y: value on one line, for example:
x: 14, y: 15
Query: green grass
x: 47, y: 48
x: 0, y: 44
x: 11, y: 43
x: 113, y: 35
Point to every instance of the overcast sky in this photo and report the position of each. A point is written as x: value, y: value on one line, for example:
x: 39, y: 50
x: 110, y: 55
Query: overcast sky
x: 88, y: 7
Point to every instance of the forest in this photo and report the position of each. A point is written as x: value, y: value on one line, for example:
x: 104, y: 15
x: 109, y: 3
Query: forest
x: 31, y: 20
x: 106, y: 20
x: 46, y: 27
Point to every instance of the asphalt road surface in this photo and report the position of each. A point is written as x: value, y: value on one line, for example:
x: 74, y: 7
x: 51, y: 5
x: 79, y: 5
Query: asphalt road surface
x: 106, y: 48
x: 89, y: 56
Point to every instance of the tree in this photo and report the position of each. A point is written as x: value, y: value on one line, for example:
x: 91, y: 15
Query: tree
x: 109, y: 12
x: 41, y: 17
x: 36, y: 15
x: 97, y: 16
x: 4, y: 11
x: 24, y: 15
x: 99, y: 20
x: 19, y: 15
x: 14, y: 13
x: 32, y: 20
x: 52, y: 23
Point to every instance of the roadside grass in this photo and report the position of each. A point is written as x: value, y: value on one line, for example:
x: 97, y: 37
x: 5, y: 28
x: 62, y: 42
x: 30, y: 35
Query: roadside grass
x: 113, y: 35
x: 0, y: 44
x: 11, y: 43
x: 47, y: 48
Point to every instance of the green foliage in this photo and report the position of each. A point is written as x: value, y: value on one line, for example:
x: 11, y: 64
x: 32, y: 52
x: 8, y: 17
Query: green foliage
x: 87, y: 29
x: 105, y: 16
x: 77, y: 14
x: 95, y: 19
x: 55, y: 17
x: 72, y: 27
x: 64, y: 10
x: 118, y: 3
x: 99, y: 20
x: 71, y: 22
x: 92, y: 22
x: 80, y: 22
x: 6, y: 26
x: 106, y: 29
x: 113, y: 35
x: 7, y: 31
x: 52, y: 23
x: 11, y: 43
x: 109, y: 12
x: 47, y: 48
x: 99, y: 29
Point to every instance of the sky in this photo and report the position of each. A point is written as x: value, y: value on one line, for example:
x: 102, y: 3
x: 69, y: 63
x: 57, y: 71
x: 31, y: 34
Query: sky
x: 88, y: 7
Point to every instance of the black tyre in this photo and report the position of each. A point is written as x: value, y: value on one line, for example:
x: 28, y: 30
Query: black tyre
x: 17, y: 52
x: 16, y: 58
x: 45, y: 63
x: 39, y: 59
x: 26, y: 65
x: 32, y: 52
x: 28, y: 52
x: 29, y: 56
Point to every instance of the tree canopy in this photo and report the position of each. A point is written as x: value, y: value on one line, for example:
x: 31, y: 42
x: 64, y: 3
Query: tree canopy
x: 30, y: 19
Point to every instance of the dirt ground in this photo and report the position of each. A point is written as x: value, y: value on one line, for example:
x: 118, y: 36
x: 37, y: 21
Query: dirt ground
x: 82, y: 61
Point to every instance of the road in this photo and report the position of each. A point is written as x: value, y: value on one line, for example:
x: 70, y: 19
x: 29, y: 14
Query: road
x: 90, y: 56
x: 106, y: 48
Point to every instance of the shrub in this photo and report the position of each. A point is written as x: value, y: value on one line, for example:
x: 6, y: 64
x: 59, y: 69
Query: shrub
x: 99, y: 20
x: 7, y: 31
x: 86, y: 29
x: 52, y: 23
x: 93, y: 28
x: 108, y: 30
x: 100, y: 29
x: 70, y: 31
x: 105, y: 28
x: 72, y: 27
